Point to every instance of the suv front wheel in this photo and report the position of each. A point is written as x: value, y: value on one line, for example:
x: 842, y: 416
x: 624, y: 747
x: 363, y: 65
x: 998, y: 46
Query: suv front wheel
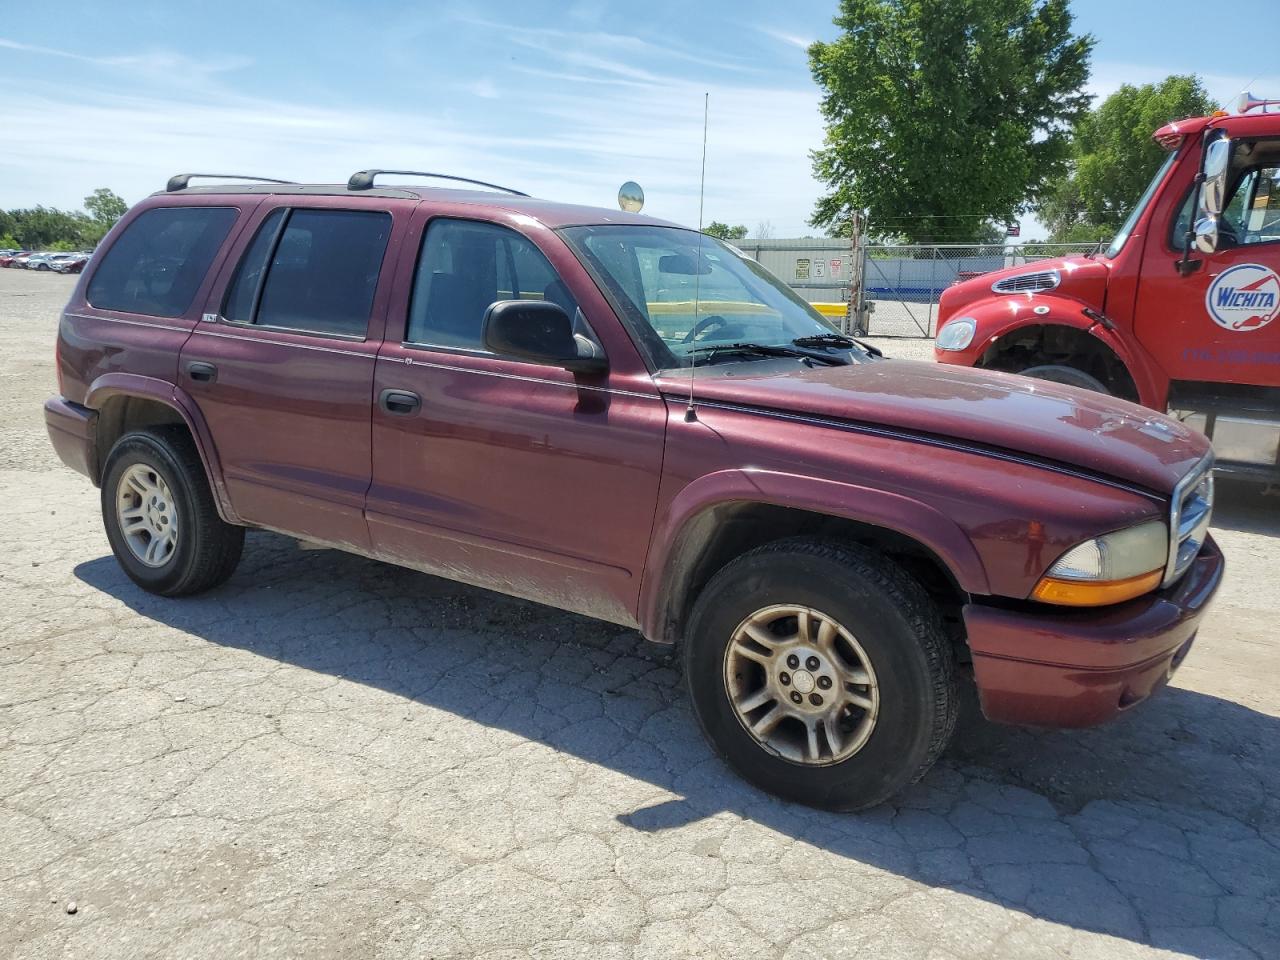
x: 160, y: 516
x: 820, y: 671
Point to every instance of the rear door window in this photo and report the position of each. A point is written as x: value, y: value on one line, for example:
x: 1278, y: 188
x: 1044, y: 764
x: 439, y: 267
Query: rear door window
x: 156, y: 266
x: 314, y: 271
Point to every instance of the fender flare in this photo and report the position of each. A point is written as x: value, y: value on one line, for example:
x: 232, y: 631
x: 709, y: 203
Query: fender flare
x: 1063, y: 312
x: 682, y: 531
x: 108, y: 386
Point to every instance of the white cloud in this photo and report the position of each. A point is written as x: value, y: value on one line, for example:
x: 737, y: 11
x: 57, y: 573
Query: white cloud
x: 484, y: 88
x: 154, y: 62
x: 589, y: 119
x: 1107, y: 77
x: 791, y: 39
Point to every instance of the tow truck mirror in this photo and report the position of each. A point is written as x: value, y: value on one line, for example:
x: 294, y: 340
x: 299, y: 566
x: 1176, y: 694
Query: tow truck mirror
x: 1213, y: 191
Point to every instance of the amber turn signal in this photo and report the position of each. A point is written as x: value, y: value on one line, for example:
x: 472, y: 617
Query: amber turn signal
x: 1095, y: 593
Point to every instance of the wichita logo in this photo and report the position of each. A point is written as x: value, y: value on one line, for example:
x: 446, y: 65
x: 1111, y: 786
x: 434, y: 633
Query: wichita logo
x: 1246, y: 297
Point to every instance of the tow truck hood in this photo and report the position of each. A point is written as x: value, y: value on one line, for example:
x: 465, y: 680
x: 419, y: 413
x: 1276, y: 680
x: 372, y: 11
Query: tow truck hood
x: 1079, y: 278
x: 1034, y: 418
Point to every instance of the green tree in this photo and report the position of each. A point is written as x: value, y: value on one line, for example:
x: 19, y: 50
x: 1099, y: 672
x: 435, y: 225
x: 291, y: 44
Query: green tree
x: 725, y: 232
x: 1113, y: 157
x: 105, y: 206
x: 944, y: 116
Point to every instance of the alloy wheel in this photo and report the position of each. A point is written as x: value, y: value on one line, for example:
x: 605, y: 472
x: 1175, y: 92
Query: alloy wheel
x: 801, y: 684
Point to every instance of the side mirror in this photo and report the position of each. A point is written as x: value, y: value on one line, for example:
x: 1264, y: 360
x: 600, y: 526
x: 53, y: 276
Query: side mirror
x: 1213, y: 191
x: 1206, y: 239
x: 537, y: 331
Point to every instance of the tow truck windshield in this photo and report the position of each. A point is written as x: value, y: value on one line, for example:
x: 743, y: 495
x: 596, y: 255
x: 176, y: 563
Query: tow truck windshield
x: 654, y: 275
x: 1118, y: 242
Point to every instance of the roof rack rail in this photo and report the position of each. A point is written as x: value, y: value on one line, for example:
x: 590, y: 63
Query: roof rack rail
x: 363, y: 180
x: 180, y: 181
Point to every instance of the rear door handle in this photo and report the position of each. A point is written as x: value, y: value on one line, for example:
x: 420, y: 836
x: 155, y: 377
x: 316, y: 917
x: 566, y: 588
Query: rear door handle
x: 202, y: 372
x: 400, y: 402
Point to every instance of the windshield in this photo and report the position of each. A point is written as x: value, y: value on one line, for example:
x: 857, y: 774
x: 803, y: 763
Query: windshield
x: 1117, y: 244
x: 655, y: 273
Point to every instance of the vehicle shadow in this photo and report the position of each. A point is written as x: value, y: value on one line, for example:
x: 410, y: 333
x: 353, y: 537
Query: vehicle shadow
x: 1242, y: 505
x: 1062, y: 826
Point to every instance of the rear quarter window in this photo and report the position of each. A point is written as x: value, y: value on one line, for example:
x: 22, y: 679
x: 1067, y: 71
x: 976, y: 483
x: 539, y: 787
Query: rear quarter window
x: 157, y: 264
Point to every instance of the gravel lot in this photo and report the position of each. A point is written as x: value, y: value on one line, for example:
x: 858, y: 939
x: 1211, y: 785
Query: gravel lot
x: 334, y: 758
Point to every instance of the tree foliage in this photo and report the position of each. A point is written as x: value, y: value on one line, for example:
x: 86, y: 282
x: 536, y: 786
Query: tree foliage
x: 725, y: 232
x: 47, y: 228
x: 944, y: 116
x: 105, y: 206
x: 1113, y: 156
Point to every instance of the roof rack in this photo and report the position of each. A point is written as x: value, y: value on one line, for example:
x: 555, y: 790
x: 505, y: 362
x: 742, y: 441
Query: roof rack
x: 180, y: 181
x: 363, y: 180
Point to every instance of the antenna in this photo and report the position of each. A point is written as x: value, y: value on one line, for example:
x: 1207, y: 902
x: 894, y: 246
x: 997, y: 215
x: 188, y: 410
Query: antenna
x: 690, y: 414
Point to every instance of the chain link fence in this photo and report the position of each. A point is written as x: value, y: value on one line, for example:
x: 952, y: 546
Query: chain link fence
x: 901, y: 285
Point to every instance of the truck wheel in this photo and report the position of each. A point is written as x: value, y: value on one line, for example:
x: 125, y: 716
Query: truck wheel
x: 160, y: 516
x: 1058, y: 373
x: 821, y: 673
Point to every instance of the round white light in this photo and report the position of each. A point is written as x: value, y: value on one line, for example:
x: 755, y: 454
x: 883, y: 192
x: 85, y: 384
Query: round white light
x: 957, y: 334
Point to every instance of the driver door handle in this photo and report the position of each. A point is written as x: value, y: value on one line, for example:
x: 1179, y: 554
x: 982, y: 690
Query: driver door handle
x: 399, y: 402
x: 202, y: 372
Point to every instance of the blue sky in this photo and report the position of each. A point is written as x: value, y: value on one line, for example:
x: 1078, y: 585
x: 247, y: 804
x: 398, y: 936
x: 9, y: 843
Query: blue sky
x: 561, y: 99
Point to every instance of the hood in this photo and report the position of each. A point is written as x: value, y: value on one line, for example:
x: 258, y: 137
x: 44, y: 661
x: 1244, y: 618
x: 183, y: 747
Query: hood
x: 1078, y: 278
x: 1041, y: 420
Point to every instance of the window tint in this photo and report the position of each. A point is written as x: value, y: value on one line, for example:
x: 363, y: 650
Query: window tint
x: 244, y: 288
x: 156, y: 266
x: 321, y: 276
x: 465, y: 267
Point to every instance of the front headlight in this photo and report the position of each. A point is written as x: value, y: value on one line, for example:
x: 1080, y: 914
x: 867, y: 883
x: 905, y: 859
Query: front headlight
x: 957, y: 334
x: 1109, y: 569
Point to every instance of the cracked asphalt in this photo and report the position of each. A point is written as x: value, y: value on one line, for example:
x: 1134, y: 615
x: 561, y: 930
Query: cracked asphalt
x: 329, y: 757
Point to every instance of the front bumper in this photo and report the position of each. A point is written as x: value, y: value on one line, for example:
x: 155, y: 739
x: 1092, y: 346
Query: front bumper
x: 1065, y: 668
x: 73, y: 433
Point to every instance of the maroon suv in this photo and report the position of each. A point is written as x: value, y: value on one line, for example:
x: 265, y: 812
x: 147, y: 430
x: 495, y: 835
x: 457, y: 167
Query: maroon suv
x: 620, y: 417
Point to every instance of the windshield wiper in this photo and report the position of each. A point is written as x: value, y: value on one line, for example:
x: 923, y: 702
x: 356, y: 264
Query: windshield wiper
x: 761, y: 350
x: 837, y: 340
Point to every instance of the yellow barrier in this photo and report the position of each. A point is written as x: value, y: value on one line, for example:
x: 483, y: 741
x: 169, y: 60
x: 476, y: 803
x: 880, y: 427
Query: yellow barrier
x: 669, y: 307
x: 680, y: 307
x: 831, y: 309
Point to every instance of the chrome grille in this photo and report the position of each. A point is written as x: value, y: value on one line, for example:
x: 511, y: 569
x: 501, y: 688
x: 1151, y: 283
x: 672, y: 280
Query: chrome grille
x: 1028, y: 282
x: 1189, y: 517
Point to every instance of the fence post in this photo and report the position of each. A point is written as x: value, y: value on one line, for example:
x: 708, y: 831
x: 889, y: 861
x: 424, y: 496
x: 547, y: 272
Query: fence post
x: 855, y: 321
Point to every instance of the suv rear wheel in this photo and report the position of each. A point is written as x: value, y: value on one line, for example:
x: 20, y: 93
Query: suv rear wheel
x: 160, y: 516
x: 821, y: 673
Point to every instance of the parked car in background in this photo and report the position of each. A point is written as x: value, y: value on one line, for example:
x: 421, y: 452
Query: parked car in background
x: 20, y: 261
x: 492, y: 388
x: 69, y: 262
x: 8, y: 257
x: 42, y: 261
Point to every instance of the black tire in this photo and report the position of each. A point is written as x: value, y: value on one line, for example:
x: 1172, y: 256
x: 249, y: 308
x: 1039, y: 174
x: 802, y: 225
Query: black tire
x: 897, y: 626
x: 1071, y: 376
x: 207, y: 548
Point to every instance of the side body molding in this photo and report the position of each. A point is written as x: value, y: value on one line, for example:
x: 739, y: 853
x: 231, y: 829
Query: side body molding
x: 111, y: 385
x: 681, y: 531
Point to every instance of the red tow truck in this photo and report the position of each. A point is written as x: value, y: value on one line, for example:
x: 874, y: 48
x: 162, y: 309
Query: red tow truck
x: 1180, y: 313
